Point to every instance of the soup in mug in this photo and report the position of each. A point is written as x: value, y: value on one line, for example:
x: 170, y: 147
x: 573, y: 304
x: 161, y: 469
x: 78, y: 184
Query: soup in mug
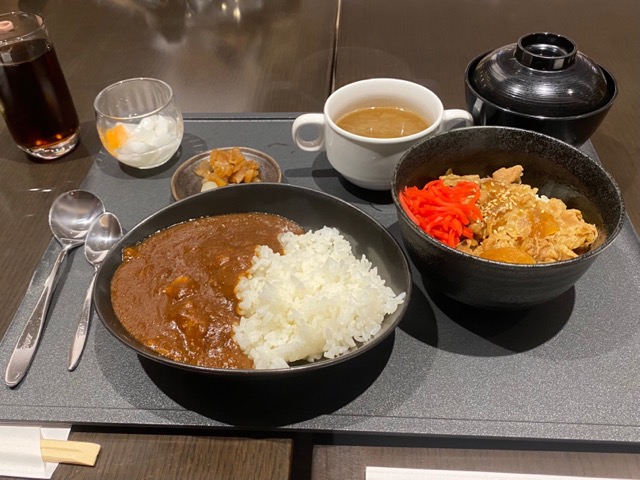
x: 382, y: 122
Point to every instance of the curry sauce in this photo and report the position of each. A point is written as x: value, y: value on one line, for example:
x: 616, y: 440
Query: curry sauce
x: 174, y: 291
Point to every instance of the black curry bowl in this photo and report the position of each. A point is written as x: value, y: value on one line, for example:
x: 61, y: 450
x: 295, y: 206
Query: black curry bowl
x: 554, y: 167
x: 312, y: 210
x: 541, y: 83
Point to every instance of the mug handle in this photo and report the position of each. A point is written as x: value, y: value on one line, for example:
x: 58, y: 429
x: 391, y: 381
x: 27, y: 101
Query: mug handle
x: 315, y: 120
x: 456, y: 118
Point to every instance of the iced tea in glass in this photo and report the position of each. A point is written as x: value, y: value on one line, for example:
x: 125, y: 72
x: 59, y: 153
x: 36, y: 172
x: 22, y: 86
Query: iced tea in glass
x: 34, y: 98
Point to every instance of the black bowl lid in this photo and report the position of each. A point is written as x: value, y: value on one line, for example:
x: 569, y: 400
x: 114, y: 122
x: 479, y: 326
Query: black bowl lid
x: 543, y: 74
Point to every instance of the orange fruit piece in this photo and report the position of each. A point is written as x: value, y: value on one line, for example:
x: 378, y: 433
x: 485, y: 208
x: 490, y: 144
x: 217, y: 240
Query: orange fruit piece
x: 115, y: 137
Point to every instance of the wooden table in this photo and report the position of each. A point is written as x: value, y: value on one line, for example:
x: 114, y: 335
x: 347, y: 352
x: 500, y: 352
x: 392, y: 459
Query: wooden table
x: 286, y: 56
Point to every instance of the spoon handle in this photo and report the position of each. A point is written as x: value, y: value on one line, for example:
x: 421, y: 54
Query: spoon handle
x: 80, y: 338
x: 27, y: 344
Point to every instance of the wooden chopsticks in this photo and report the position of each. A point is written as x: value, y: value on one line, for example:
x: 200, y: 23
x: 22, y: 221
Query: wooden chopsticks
x: 64, y: 451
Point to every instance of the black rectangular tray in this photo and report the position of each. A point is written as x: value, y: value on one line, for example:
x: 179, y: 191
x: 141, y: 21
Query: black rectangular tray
x: 568, y: 370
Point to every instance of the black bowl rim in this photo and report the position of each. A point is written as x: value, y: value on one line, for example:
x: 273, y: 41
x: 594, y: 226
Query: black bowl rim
x: 292, y: 370
x: 611, y: 81
x: 504, y: 265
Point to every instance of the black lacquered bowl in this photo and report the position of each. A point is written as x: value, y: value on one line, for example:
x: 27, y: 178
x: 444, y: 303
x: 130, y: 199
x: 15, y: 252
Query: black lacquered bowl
x: 541, y: 83
x: 556, y: 168
x: 309, y: 208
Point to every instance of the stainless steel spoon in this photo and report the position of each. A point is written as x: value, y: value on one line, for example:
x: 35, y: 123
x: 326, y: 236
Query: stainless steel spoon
x: 70, y: 217
x: 104, y: 232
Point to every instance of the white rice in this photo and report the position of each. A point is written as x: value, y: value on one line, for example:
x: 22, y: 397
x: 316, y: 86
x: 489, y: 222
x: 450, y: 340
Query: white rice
x: 315, y: 300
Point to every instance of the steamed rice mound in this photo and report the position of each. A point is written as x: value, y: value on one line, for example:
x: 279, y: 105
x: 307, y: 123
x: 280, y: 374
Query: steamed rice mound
x: 316, y: 300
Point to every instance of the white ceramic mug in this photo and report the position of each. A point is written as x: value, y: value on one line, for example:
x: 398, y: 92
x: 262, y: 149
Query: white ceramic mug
x: 365, y: 161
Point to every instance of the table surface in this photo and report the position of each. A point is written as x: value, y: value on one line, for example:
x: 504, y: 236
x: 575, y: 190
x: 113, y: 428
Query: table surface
x: 287, y: 56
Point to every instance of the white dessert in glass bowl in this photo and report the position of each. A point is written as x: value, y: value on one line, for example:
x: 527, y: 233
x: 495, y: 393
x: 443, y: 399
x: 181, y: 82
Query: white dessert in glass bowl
x: 139, y: 122
x: 146, y: 144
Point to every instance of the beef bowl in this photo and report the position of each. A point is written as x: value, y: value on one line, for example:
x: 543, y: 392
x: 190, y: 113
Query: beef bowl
x: 168, y: 289
x: 524, y: 225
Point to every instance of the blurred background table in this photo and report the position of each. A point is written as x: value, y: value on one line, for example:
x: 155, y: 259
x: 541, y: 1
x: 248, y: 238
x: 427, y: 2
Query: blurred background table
x: 287, y: 56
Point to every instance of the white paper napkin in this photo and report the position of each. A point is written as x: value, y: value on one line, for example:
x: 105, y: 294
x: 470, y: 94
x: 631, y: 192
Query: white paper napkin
x: 20, y: 450
x: 383, y: 473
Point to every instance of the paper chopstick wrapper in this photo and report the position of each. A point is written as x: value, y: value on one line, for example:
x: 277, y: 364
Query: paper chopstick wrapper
x: 34, y: 452
x: 384, y: 473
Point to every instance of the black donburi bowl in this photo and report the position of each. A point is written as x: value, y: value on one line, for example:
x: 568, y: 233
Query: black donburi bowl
x: 575, y: 129
x: 554, y: 167
x: 309, y: 208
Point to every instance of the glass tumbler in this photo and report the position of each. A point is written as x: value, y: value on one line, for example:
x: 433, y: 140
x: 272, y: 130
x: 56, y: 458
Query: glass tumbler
x: 139, y: 122
x: 36, y: 104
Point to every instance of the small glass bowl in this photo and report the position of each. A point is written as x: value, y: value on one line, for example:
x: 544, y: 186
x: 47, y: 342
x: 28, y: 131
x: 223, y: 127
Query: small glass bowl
x: 139, y: 122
